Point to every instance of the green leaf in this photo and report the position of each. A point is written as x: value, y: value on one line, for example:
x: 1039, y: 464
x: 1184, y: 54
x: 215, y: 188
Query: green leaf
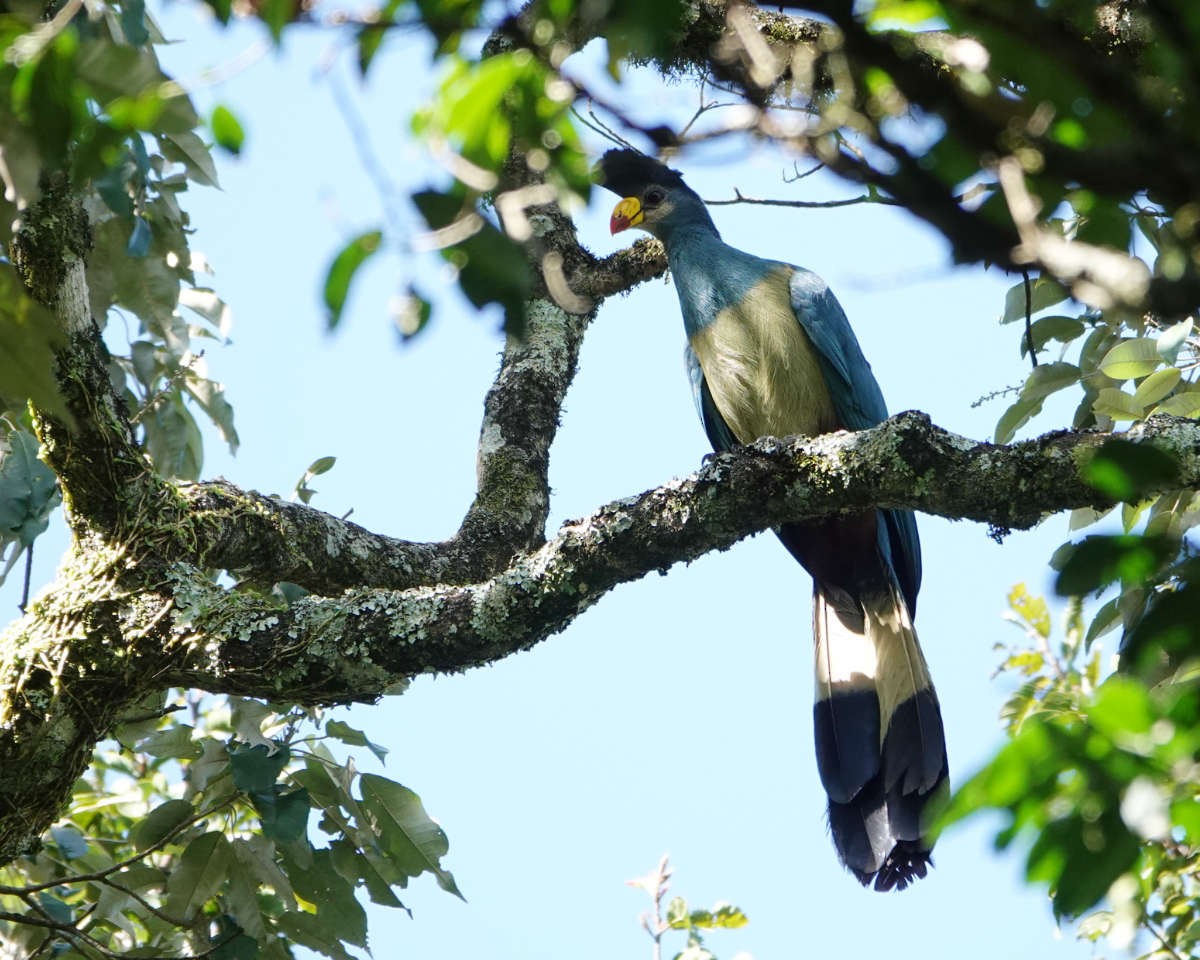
x: 222, y: 8
x: 1086, y: 516
x: 248, y: 716
x: 56, y: 909
x: 1044, y: 293
x: 331, y: 797
x: 447, y: 19
x: 1081, y: 859
x: 70, y: 842
x: 411, y: 314
x: 241, y: 947
x: 139, y: 239
x: 174, y: 743
x: 1121, y: 707
x: 339, y: 914
x: 277, y: 14
x: 1049, y: 378
x: 341, y: 273
x: 28, y: 489
x: 241, y: 900
x: 173, y: 440
x: 1032, y: 610
x: 677, y: 915
x: 256, y: 857
x: 1062, y: 329
x: 145, y: 716
x: 492, y: 267
x: 187, y: 148
x: 370, y: 38
x: 1117, y: 405
x: 1171, y: 340
x: 201, y: 870
x: 1185, y: 404
x: 1170, y: 624
x: 29, y: 336
x: 1104, y: 620
x: 640, y: 30
x: 1012, y: 776
x: 471, y: 110
x: 133, y: 21
x: 725, y: 916
x: 147, y: 286
x: 283, y: 814
x: 1097, y: 561
x: 160, y: 822
x: 45, y: 94
x: 1186, y: 815
x: 374, y: 871
x: 413, y: 842
x: 1015, y: 417
x: 303, y: 492
x: 908, y: 12
x: 1157, y: 386
x: 257, y: 768
x: 314, y: 933
x: 355, y: 738
x: 1131, y: 359
x: 1127, y: 471
x: 211, y: 397
x: 210, y: 768
x: 227, y: 130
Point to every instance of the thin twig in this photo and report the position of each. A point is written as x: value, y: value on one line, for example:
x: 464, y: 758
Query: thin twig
x: 800, y: 176
x: 146, y: 904
x: 101, y: 875
x: 739, y: 197
x: 28, y: 577
x: 181, y: 373
x: 361, y: 138
x: 1160, y: 936
x: 1029, y: 318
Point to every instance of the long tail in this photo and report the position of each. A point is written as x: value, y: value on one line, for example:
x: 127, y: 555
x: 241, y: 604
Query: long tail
x: 881, y: 749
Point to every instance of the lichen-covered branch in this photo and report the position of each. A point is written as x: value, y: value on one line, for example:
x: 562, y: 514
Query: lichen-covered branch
x: 353, y: 645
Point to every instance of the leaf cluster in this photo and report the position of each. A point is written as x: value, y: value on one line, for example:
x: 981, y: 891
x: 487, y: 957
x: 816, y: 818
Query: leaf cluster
x: 1099, y: 782
x: 85, y: 101
x: 194, y: 838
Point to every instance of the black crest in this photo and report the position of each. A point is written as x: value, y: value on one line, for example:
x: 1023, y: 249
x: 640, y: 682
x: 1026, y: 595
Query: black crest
x: 627, y: 172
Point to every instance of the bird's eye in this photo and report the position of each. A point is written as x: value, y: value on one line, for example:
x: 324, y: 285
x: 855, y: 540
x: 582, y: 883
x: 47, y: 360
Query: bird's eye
x: 655, y: 196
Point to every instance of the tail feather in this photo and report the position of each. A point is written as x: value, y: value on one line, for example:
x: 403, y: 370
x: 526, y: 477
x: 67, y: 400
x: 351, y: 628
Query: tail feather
x: 880, y: 742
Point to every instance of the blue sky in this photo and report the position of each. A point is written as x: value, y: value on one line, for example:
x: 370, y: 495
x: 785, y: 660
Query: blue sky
x: 675, y: 716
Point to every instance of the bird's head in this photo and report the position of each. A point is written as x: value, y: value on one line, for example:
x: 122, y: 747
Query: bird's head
x: 653, y: 196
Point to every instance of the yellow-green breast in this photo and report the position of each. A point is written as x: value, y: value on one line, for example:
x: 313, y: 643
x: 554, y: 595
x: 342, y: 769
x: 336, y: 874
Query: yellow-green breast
x: 761, y: 367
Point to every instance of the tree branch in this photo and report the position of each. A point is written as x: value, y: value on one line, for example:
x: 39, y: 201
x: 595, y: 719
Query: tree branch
x: 353, y: 646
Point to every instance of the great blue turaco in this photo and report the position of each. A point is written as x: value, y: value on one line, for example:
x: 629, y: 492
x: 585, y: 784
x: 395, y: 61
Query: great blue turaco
x: 771, y: 353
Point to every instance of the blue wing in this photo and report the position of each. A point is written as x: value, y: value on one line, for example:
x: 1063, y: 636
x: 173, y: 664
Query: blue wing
x: 719, y: 434
x: 859, y: 404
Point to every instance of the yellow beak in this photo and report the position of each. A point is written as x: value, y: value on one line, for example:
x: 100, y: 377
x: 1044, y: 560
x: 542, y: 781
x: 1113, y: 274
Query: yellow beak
x: 628, y: 213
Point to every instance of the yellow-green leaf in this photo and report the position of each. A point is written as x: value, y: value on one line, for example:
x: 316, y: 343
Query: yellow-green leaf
x: 1156, y: 386
x: 1181, y: 405
x: 1118, y: 405
x: 1131, y: 359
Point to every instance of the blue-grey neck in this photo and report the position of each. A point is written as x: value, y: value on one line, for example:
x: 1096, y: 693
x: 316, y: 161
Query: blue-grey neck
x: 709, y: 275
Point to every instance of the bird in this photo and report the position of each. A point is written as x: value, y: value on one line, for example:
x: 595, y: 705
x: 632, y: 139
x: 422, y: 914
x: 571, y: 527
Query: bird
x: 771, y: 353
